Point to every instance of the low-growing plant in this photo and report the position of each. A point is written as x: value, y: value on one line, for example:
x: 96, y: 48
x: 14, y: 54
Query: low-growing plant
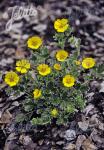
x: 54, y: 84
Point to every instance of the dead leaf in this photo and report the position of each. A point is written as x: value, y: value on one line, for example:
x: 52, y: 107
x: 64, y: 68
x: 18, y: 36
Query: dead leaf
x: 88, y: 145
x: 27, y: 142
x: 94, y: 121
x: 89, y: 108
x: 9, y: 144
x: 5, y: 117
x: 70, y: 146
x: 20, y: 54
x: 101, y: 126
x: 79, y: 141
x: 96, y: 137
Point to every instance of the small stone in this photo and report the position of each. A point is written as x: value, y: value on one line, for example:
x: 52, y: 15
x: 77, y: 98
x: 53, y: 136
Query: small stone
x: 70, y: 135
x: 25, y: 140
x: 41, y: 142
x: 15, y: 103
x: 9, y: 51
x: 40, y: 28
x: 25, y: 36
x: 83, y: 125
x: 102, y: 87
x: 60, y: 142
x: 5, y: 62
x: 5, y: 15
x: 89, y: 108
x: 101, y: 126
x: 77, y: 22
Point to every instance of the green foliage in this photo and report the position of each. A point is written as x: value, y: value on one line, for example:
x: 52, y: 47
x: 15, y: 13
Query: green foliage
x: 57, y: 101
x: 21, y: 117
x: 99, y: 71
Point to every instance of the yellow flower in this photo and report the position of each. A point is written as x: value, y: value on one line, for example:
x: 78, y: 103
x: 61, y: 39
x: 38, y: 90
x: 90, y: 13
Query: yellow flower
x: 34, y: 42
x: 44, y: 69
x: 77, y: 62
x: 22, y: 66
x: 68, y: 80
x: 37, y: 93
x: 88, y: 63
x: 54, y: 112
x: 57, y: 66
x: 61, y: 25
x: 61, y: 55
x: 11, y: 78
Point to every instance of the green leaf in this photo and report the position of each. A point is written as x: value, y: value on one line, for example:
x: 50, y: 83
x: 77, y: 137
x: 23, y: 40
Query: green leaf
x: 21, y: 117
x: 40, y: 121
x: 60, y: 37
x: 68, y: 107
x: 28, y: 104
x: 80, y: 103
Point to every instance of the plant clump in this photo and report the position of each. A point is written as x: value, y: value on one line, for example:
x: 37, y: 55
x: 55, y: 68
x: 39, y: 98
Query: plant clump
x: 54, y: 86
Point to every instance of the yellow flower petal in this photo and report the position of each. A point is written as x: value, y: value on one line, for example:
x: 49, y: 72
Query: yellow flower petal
x: 24, y: 70
x: 18, y: 63
x: 37, y: 93
x: 18, y: 69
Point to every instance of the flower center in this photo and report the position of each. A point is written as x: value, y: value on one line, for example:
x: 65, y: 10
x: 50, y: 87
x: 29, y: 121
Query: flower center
x: 62, y: 56
x: 37, y: 93
x: 61, y: 25
x: 34, y: 42
x: 11, y: 79
x: 88, y: 63
x: 68, y: 81
x: 43, y: 69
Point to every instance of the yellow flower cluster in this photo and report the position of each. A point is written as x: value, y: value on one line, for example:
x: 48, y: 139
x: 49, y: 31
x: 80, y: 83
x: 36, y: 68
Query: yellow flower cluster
x: 23, y: 66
